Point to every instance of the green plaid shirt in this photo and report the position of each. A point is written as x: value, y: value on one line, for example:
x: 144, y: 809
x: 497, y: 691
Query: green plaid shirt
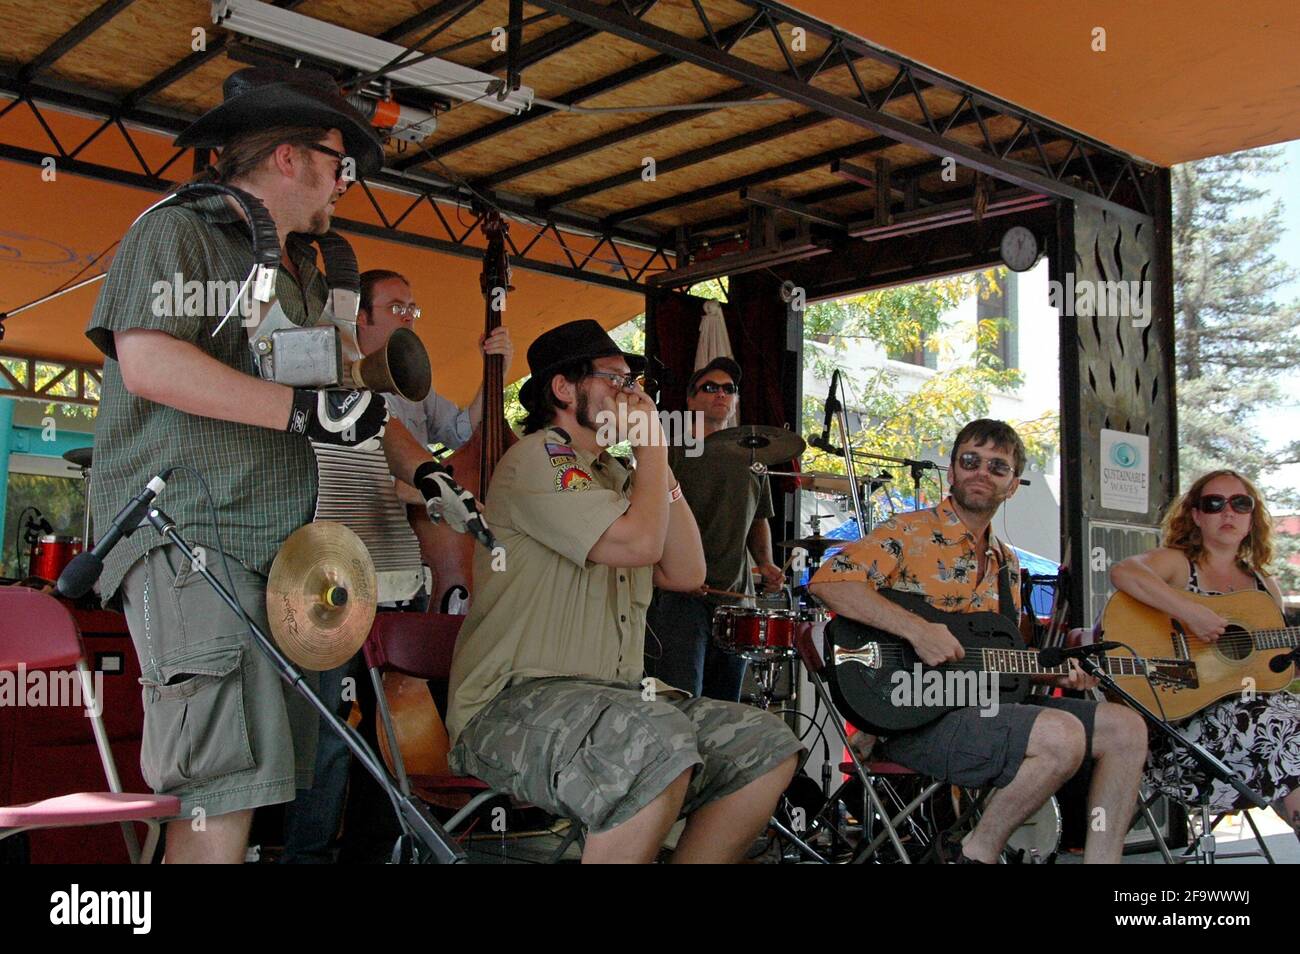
x: 263, y: 481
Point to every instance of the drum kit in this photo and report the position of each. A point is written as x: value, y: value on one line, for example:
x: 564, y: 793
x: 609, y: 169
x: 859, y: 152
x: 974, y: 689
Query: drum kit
x: 51, y: 552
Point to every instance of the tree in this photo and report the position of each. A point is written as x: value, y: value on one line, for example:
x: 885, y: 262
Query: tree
x: 903, y: 320
x: 1233, y: 338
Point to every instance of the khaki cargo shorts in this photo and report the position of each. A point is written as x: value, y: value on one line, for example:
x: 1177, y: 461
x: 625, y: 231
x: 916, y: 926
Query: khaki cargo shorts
x: 222, y: 731
x: 598, y: 753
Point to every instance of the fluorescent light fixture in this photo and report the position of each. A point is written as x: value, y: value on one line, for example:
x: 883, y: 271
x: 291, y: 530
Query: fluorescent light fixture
x: 325, y: 41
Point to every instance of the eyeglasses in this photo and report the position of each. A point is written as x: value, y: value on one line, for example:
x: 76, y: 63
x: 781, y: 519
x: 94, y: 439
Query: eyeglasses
x: 1214, y: 503
x: 345, y: 162
x: 621, y: 382
x: 713, y: 387
x: 399, y: 310
x: 972, y: 461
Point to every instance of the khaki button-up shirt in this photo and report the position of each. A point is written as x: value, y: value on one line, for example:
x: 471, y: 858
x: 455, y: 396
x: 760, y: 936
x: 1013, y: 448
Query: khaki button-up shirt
x: 540, y: 608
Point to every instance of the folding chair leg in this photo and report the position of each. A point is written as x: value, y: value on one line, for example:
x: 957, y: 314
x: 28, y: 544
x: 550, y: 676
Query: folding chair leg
x: 575, y: 833
x: 869, y: 791
x: 1263, y: 847
x: 153, y: 829
x: 454, y: 821
x: 1144, y: 805
x: 891, y: 825
x: 799, y: 843
x: 386, y: 722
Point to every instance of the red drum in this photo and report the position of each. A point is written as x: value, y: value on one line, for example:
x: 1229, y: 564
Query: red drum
x: 51, y: 555
x: 758, y: 633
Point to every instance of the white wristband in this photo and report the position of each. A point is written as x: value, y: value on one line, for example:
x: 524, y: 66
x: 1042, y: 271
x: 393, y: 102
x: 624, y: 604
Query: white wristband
x: 675, y: 494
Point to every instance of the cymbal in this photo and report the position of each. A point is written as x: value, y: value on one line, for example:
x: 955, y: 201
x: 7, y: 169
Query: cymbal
x: 766, y: 444
x: 815, y: 544
x: 321, y: 595
x: 78, y: 457
x: 839, y: 484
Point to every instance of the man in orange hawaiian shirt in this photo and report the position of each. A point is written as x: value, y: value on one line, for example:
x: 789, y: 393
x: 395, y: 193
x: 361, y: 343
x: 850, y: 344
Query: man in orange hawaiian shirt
x: 949, y: 555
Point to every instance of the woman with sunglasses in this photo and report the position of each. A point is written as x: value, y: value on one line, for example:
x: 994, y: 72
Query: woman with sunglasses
x: 1218, y: 539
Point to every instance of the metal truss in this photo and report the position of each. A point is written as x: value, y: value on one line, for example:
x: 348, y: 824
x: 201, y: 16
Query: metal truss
x: 620, y: 258
x: 1090, y: 171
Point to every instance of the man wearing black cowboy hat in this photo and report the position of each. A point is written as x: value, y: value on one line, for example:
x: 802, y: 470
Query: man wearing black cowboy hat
x: 221, y: 731
x: 547, y: 697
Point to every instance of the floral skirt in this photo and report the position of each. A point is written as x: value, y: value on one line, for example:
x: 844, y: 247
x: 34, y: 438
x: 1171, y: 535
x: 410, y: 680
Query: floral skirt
x: 1259, y: 740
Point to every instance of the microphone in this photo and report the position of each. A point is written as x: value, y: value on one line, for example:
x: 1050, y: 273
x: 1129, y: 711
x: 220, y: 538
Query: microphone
x: 832, y: 405
x: 80, y: 575
x: 1053, y: 657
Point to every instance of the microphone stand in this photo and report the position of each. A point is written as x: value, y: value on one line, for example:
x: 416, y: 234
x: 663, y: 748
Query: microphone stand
x: 1203, y: 756
x: 423, y: 840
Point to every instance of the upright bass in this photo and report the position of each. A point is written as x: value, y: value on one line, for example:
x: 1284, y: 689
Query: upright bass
x: 421, y: 736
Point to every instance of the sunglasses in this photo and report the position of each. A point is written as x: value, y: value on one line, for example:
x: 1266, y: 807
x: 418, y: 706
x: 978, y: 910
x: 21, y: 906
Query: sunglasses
x: 972, y: 461
x: 1214, y: 503
x: 622, y: 382
x: 712, y: 387
x: 344, y: 161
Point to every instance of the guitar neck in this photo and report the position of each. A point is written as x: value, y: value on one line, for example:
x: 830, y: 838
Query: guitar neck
x: 1285, y: 638
x: 1025, y: 661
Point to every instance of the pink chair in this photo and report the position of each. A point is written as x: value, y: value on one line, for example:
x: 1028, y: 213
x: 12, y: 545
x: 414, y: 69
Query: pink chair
x: 38, y: 633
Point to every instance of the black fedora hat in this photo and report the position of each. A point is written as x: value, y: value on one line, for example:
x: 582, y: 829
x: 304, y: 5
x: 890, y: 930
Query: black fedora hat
x: 264, y: 97
x: 580, y: 340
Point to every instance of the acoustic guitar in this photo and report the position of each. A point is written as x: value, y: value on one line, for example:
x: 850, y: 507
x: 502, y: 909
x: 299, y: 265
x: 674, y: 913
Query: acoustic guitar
x: 1238, y: 662
x: 880, y: 685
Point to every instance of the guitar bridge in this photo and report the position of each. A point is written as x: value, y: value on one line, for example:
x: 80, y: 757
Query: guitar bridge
x: 867, y: 655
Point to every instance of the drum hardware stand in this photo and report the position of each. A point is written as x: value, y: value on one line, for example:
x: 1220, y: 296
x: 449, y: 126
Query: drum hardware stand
x: 1205, y: 847
x: 423, y: 840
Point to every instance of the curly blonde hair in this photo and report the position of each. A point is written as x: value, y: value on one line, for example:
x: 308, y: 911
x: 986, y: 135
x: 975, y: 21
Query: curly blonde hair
x: 1182, y: 533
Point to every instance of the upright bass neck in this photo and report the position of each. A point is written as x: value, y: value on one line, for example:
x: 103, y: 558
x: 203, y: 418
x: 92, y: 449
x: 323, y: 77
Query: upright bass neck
x: 495, y: 284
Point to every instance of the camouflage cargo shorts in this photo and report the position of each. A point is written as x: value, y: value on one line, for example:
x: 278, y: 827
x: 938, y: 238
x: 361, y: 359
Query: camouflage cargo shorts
x: 597, y: 752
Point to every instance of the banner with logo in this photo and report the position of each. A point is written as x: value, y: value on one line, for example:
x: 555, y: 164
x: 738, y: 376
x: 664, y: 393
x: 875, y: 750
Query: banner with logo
x: 1125, y: 474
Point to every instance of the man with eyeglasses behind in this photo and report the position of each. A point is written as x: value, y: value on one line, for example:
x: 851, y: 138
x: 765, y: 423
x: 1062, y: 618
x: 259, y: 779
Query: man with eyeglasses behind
x: 731, y: 505
x: 948, y: 555
x: 388, y: 303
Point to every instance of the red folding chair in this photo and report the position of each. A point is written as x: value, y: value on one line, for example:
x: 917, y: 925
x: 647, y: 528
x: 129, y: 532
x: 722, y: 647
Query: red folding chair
x: 421, y: 645
x: 38, y: 633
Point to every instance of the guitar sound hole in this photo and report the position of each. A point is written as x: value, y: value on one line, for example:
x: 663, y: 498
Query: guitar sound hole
x: 1235, y: 643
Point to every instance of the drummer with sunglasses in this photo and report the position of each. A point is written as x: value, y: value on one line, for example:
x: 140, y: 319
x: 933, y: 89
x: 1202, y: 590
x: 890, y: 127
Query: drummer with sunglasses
x: 731, y: 505
x: 1218, y: 539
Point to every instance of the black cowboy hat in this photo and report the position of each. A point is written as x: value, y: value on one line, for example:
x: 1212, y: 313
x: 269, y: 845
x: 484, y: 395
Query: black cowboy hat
x: 580, y: 340
x: 263, y: 97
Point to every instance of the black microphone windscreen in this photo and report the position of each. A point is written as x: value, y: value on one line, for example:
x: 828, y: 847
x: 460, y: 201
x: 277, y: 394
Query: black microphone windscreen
x: 79, y: 576
x: 1051, y: 658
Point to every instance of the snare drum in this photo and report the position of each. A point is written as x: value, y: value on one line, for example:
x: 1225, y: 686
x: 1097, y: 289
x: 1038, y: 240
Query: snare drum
x: 758, y: 633
x: 51, y: 554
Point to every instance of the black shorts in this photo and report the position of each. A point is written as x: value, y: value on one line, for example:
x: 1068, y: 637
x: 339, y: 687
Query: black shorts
x: 971, y: 749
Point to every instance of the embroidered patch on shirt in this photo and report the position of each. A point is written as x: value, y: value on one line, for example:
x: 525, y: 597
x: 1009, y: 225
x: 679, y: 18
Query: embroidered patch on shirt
x: 572, y: 478
x: 561, y: 454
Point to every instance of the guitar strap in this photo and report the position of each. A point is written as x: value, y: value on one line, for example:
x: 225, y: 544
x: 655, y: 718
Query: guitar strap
x: 1006, y: 601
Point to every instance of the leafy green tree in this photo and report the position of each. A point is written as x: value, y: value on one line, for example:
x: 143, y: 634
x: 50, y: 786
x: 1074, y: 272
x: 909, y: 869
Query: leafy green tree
x: 1234, y: 338
x: 903, y: 320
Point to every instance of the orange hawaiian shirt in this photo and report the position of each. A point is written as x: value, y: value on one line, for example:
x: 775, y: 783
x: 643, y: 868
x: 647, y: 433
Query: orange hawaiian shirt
x: 929, y: 552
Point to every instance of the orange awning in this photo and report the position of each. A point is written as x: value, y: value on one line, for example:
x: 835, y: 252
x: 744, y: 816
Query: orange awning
x: 1179, y: 79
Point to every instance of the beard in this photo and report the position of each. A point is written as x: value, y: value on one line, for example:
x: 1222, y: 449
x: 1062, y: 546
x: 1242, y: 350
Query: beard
x: 318, y: 222
x: 981, y: 505
x: 582, y: 409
